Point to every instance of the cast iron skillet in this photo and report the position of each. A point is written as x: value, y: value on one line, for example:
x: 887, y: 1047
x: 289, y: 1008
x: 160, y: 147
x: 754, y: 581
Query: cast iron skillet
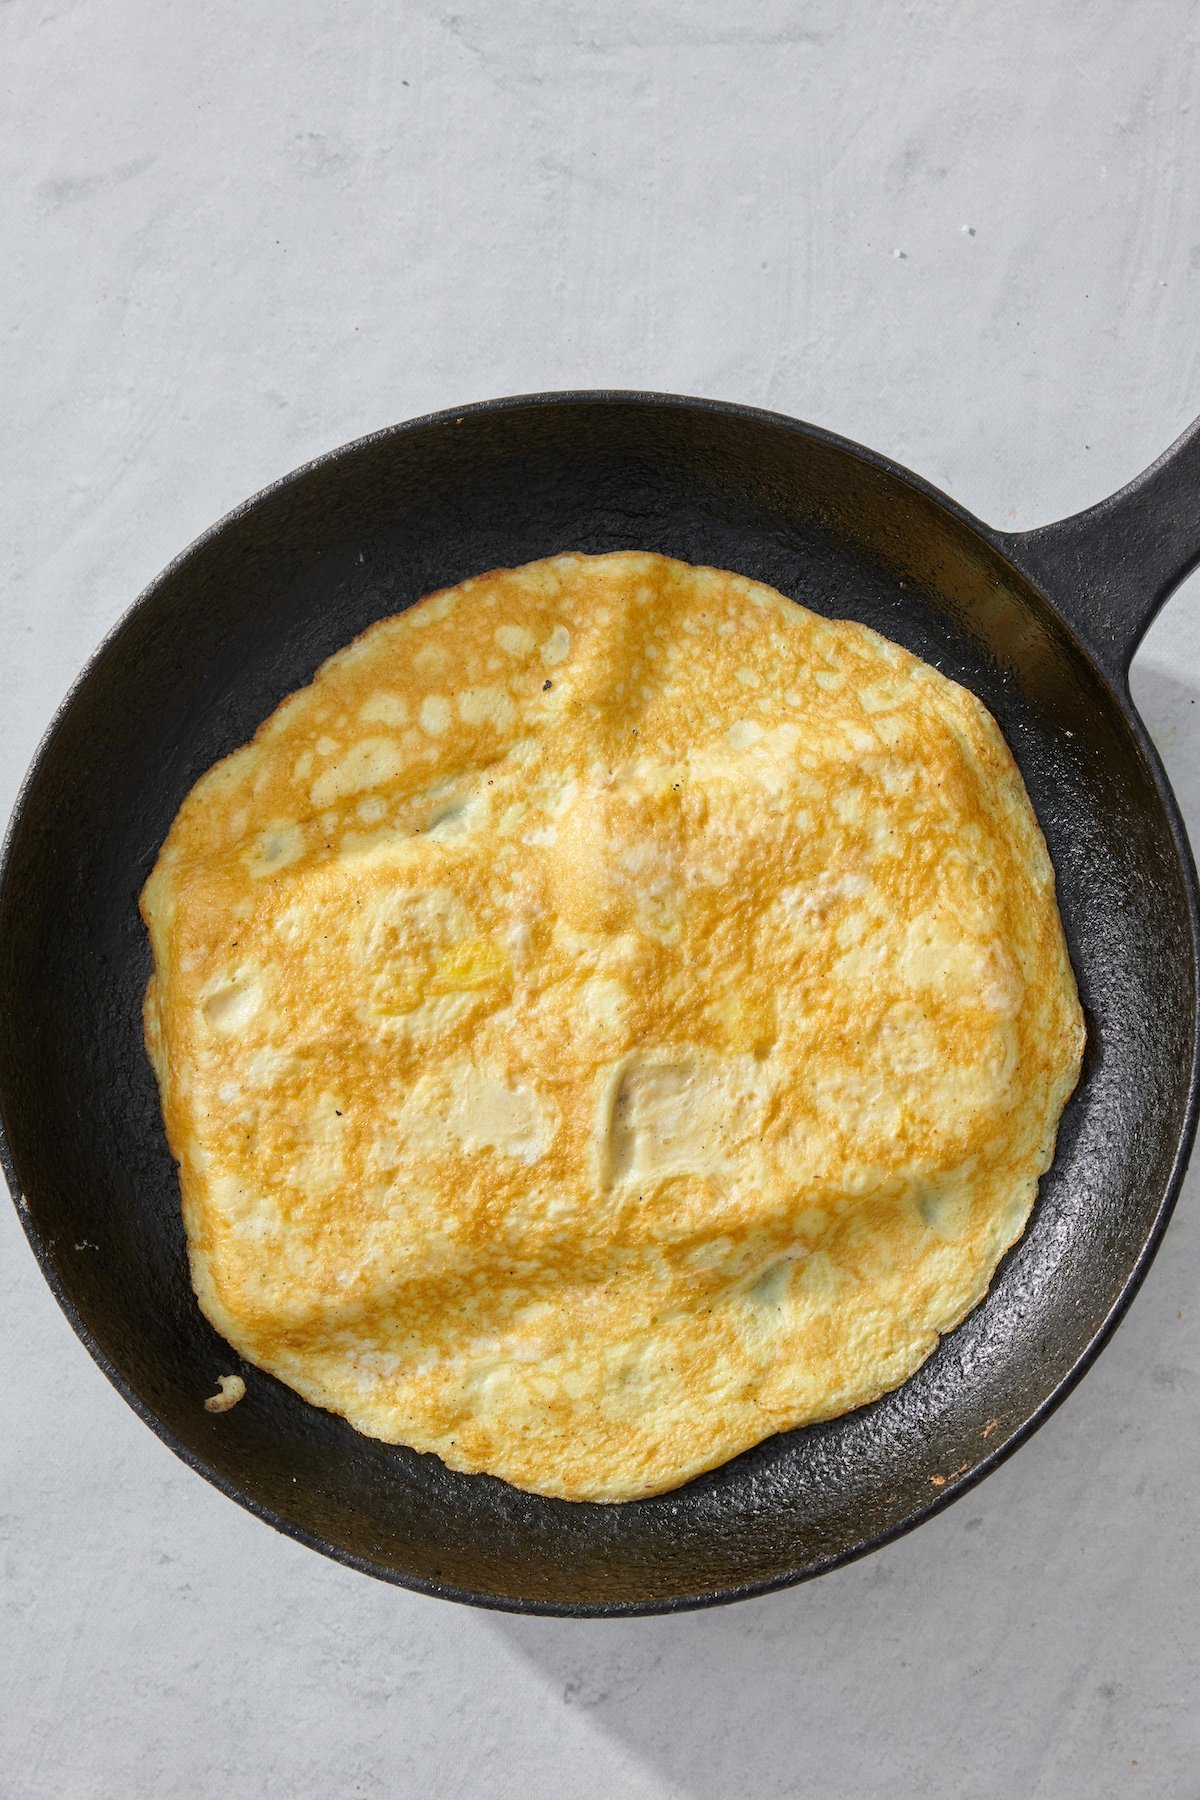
x: 1042, y: 625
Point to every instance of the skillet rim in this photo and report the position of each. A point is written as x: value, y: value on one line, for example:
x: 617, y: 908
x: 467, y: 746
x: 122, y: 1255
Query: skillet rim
x: 1118, y: 691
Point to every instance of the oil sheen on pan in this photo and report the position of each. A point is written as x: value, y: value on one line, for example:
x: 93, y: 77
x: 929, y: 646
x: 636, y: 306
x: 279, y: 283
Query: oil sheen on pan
x: 612, y: 1015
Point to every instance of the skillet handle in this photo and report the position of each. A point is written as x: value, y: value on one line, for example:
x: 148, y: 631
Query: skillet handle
x: 1109, y: 569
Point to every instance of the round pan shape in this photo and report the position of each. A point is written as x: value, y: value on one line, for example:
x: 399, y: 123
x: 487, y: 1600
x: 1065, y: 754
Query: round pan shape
x: 1041, y: 625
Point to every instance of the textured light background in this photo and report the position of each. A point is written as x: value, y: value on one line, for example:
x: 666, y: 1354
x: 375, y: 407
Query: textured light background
x: 235, y: 235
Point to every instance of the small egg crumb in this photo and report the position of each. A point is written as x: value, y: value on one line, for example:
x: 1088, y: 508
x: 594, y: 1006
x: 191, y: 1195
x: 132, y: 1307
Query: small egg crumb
x: 233, y: 1389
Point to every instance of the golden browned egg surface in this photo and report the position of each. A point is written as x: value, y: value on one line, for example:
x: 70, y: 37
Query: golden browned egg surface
x: 613, y: 1014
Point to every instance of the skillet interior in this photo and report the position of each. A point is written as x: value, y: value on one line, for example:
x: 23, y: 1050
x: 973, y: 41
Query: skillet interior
x: 245, y: 617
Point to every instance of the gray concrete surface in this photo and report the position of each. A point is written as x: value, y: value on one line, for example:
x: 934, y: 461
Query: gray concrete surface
x: 236, y: 235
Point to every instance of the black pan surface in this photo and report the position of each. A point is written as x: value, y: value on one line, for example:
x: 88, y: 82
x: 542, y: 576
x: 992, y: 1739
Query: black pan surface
x: 1041, y: 627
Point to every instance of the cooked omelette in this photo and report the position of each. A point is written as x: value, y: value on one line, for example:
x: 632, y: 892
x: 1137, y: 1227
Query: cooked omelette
x: 612, y: 1015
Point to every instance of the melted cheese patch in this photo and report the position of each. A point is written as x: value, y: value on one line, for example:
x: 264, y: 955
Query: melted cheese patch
x: 612, y: 1015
